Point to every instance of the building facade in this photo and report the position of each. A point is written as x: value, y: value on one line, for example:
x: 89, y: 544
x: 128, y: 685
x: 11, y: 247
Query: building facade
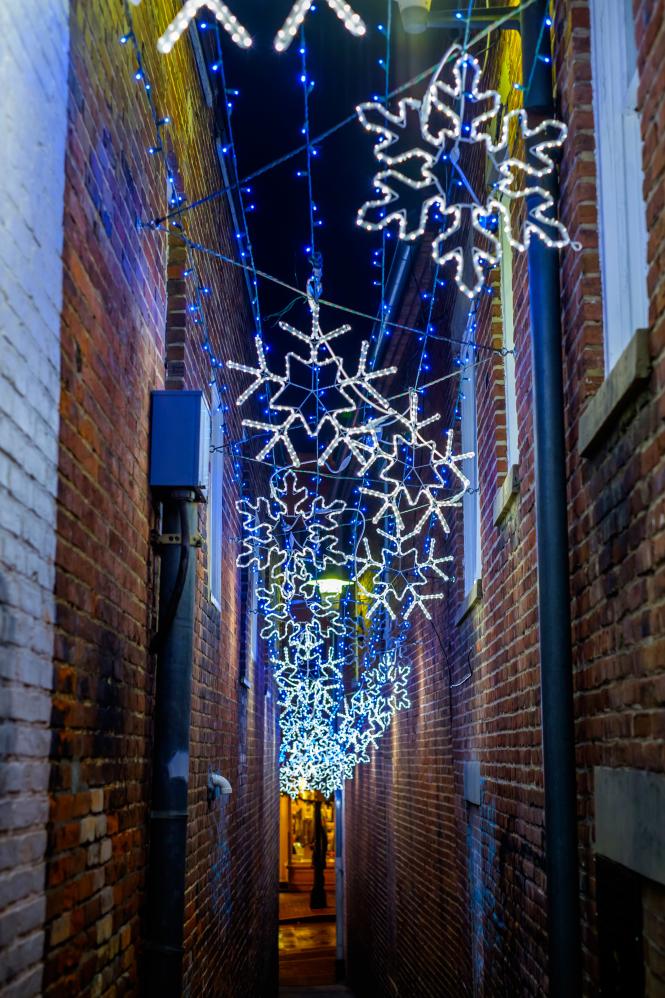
x: 454, y: 796
x: 107, y: 136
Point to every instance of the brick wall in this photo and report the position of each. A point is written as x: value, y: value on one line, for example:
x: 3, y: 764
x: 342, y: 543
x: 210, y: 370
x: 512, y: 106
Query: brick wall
x: 122, y: 291
x: 446, y: 897
x: 33, y: 103
x: 615, y: 495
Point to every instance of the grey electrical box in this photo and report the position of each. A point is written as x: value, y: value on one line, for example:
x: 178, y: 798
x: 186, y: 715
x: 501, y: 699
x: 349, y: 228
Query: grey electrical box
x: 179, y: 440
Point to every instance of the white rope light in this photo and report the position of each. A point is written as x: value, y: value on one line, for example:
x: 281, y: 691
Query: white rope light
x: 327, y: 734
x: 443, y: 130
x: 322, y: 393
x: 399, y: 577
x: 291, y: 529
x: 352, y: 22
x: 188, y: 12
x: 415, y: 476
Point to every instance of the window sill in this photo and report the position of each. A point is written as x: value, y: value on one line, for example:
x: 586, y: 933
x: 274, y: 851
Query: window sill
x: 473, y: 597
x: 506, y: 493
x: 244, y: 681
x: 621, y: 384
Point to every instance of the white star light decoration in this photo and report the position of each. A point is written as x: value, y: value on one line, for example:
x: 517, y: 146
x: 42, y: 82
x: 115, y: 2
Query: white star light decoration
x: 443, y: 130
x: 352, y: 22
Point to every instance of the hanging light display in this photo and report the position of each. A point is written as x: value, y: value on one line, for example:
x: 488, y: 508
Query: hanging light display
x: 321, y: 580
x: 315, y: 396
x: 338, y: 582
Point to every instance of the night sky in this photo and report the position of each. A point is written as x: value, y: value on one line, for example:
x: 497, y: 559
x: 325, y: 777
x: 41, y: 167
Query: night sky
x: 267, y: 119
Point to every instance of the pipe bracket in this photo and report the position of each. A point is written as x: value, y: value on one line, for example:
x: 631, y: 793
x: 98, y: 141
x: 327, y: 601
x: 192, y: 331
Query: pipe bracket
x: 162, y: 540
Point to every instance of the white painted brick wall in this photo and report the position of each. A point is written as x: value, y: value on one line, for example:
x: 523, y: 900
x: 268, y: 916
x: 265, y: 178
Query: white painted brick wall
x: 33, y: 125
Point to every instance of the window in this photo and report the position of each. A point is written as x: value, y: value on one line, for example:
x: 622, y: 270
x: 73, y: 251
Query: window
x: 506, y: 275
x: 215, y: 507
x: 623, y: 238
x: 464, y: 320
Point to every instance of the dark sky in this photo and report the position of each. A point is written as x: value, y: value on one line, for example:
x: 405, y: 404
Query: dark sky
x: 267, y: 121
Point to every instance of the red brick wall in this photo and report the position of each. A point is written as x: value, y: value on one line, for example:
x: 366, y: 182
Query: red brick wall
x: 113, y: 353
x: 616, y: 504
x: 444, y: 897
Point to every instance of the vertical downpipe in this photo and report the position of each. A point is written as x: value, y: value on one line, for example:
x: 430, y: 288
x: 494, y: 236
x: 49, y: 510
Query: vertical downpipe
x: 170, y: 761
x: 339, y: 885
x: 552, y: 544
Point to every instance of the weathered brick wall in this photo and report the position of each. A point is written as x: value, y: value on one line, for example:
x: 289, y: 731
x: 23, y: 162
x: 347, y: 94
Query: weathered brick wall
x: 120, y: 291
x: 616, y: 494
x: 452, y: 894
x: 33, y: 104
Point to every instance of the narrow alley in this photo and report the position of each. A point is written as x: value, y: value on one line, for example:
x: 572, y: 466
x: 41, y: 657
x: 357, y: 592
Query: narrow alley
x: 332, y: 499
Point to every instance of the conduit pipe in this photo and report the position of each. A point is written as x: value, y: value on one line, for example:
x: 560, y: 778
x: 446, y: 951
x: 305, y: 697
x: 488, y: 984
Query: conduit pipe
x: 552, y: 545
x: 170, y: 760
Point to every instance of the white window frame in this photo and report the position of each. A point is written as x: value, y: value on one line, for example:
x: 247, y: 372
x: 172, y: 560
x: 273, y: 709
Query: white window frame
x: 252, y: 623
x: 621, y: 207
x: 216, y: 506
x: 508, y: 327
x: 252, y: 607
x: 463, y: 327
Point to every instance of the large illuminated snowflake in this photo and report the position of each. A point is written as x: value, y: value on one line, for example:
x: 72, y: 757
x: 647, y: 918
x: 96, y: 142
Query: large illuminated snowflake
x: 400, y: 578
x: 291, y: 529
x: 317, y: 397
x: 422, y: 178
x: 421, y: 482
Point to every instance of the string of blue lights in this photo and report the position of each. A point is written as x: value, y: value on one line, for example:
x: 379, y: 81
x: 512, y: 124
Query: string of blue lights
x: 404, y: 481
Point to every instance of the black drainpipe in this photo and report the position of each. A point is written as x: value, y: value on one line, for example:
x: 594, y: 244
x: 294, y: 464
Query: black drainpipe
x: 173, y: 644
x: 553, y: 570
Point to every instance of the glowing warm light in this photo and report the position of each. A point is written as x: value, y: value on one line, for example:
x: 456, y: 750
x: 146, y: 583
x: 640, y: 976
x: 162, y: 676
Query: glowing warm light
x: 331, y: 587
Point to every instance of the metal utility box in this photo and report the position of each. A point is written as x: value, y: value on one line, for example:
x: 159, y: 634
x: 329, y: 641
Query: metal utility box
x: 179, y: 440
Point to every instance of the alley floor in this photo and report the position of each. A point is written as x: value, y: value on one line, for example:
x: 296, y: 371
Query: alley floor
x: 307, y: 954
x: 326, y: 991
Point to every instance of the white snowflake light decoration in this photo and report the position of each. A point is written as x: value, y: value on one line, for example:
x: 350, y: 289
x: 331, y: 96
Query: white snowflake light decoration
x: 291, y: 529
x: 400, y: 576
x: 417, y: 173
x: 416, y: 476
x: 294, y: 535
x: 314, y: 395
x: 325, y: 733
